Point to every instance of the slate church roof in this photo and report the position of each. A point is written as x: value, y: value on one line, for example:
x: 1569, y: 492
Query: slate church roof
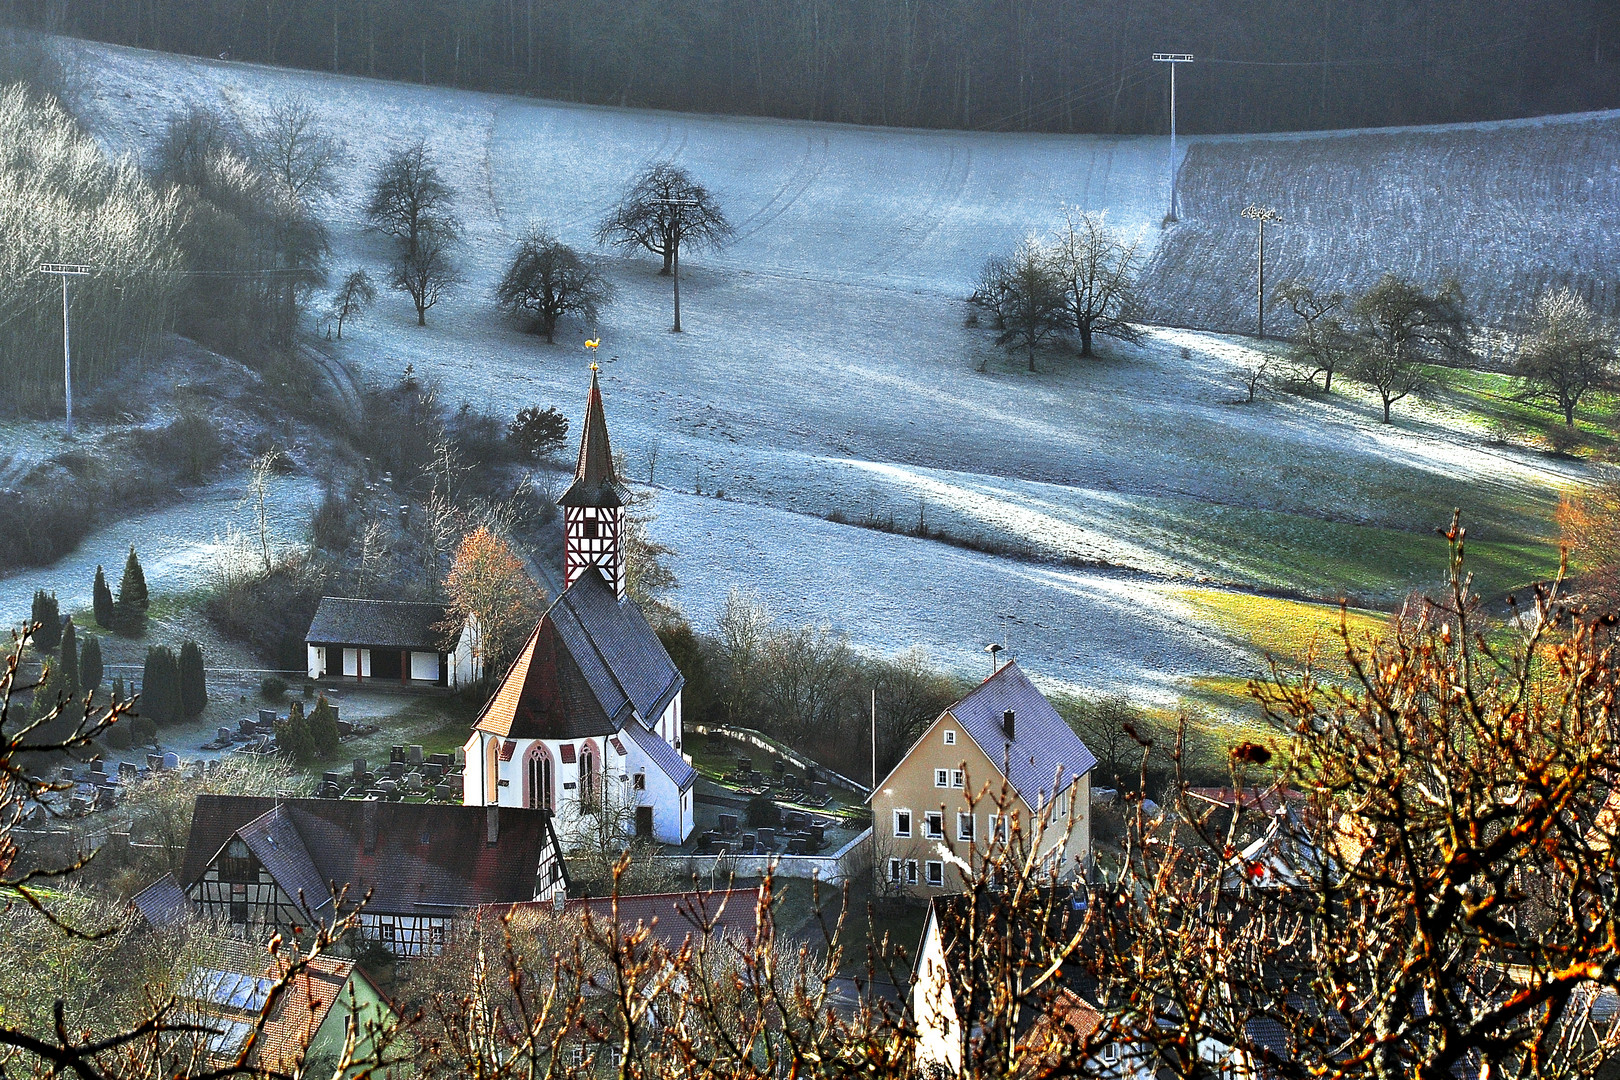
x: 416, y: 858
x: 377, y: 624
x: 590, y: 666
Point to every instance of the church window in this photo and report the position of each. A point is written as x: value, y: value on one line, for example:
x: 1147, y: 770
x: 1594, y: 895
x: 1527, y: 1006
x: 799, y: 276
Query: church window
x: 540, y: 779
x: 492, y: 771
x: 587, y: 775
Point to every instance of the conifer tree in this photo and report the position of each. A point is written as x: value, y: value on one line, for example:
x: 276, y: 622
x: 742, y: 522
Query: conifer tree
x: 103, y: 601
x: 90, y: 668
x: 160, y: 686
x: 323, y: 729
x: 293, y: 736
x: 193, y: 680
x: 132, y: 594
x: 67, y: 662
x: 48, y: 617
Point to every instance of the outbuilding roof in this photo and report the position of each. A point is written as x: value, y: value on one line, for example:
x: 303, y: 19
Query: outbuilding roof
x: 163, y: 903
x: 379, y: 624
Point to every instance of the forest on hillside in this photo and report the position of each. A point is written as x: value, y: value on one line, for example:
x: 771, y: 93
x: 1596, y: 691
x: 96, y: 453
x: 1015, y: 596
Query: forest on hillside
x: 1017, y: 65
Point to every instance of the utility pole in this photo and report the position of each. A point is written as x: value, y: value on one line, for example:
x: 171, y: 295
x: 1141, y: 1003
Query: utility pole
x: 675, y: 206
x: 65, y: 271
x: 1173, y: 59
x: 1261, y: 214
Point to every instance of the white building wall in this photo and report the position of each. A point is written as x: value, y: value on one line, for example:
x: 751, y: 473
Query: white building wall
x: 465, y: 666
x: 939, y: 1043
x: 317, y: 661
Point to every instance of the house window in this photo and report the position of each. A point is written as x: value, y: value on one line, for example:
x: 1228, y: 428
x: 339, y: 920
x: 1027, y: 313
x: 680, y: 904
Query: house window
x: 895, y: 870
x: 998, y: 828
x: 957, y: 778
x: 934, y: 825
x: 911, y: 871
x: 964, y: 827
x: 576, y: 1056
x: 436, y: 935
x: 936, y: 874
x: 590, y: 528
x: 942, y: 777
x: 950, y: 737
x: 239, y: 905
x: 387, y: 931
x: 902, y: 823
x: 237, y: 862
x: 641, y: 781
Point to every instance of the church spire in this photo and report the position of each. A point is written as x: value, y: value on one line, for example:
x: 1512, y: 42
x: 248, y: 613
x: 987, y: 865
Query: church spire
x: 593, y: 505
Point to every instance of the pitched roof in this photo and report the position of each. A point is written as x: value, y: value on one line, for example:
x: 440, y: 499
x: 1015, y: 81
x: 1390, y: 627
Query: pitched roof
x: 591, y: 663
x: 673, y: 917
x: 665, y: 756
x: 300, y: 1010
x: 423, y: 858
x: 275, y: 842
x: 378, y: 624
x: 595, y: 483
x: 162, y: 903
x: 1043, y: 745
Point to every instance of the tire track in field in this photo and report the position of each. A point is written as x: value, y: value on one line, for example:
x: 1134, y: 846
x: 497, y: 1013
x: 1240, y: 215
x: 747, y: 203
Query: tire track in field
x: 917, y: 231
x: 807, y: 173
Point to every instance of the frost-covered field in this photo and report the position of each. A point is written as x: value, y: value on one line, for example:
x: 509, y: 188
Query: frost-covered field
x: 1508, y: 207
x: 825, y: 369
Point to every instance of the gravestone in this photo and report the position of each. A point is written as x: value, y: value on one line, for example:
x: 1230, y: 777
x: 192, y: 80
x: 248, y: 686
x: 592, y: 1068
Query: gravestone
x: 171, y: 760
x: 267, y: 716
x: 414, y: 755
x: 359, y: 769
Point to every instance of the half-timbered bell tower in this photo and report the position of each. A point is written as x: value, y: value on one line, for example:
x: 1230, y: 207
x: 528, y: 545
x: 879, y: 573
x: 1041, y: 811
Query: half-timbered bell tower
x: 593, y: 506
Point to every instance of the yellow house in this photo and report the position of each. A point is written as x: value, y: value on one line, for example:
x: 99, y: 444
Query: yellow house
x: 999, y: 765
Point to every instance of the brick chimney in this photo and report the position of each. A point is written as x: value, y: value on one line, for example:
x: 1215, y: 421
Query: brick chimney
x: 492, y: 824
x: 1007, y: 723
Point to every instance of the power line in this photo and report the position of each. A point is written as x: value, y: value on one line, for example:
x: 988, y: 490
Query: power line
x: 1397, y: 61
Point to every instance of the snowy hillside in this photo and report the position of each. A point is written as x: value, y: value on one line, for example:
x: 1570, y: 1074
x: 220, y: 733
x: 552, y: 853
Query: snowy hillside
x: 825, y: 370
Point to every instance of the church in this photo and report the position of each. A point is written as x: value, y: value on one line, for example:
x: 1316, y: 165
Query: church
x: 587, y: 721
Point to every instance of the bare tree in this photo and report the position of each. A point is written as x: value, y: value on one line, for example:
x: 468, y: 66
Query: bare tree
x: 1253, y: 373
x: 294, y: 148
x: 1401, y: 330
x: 424, y: 270
x: 548, y: 280
x: 1026, y: 295
x: 351, y: 300
x: 409, y: 200
x: 663, y: 210
x: 1320, y: 343
x: 1569, y: 352
x: 1096, y: 267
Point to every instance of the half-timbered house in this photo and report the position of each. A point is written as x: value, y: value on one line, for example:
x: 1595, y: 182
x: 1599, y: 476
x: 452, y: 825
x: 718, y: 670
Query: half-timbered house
x: 262, y: 865
x: 588, y: 717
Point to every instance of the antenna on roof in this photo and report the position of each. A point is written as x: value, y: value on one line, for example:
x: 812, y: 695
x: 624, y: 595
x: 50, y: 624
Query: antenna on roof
x: 994, y: 650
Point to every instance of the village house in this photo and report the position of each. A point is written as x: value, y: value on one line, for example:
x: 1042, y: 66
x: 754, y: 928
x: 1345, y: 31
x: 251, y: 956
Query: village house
x: 307, y: 1026
x: 264, y: 865
x: 587, y: 720
x: 1005, y: 740
x: 389, y: 642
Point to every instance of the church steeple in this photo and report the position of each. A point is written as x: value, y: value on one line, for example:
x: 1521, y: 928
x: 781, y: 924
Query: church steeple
x: 593, y: 505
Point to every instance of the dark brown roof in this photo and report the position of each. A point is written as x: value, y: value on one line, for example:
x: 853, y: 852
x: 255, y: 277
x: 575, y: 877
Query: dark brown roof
x: 162, y: 903
x: 416, y: 858
x: 379, y: 624
x: 595, y: 483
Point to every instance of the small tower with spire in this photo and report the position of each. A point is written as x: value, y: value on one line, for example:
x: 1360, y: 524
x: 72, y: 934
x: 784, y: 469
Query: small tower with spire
x: 593, y: 505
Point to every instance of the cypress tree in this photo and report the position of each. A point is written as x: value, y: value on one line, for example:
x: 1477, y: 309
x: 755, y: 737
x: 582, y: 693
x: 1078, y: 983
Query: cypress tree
x: 90, y: 669
x: 193, y: 680
x: 132, y: 597
x: 49, y: 618
x: 160, y: 686
x: 323, y: 729
x: 293, y: 736
x: 102, y: 601
x: 67, y: 662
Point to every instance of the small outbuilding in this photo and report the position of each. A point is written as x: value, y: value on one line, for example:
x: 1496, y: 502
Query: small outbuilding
x: 389, y: 641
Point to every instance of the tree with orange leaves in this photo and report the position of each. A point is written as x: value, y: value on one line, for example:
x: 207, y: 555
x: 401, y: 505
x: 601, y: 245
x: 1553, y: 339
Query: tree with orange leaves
x: 1590, y: 523
x: 493, y: 596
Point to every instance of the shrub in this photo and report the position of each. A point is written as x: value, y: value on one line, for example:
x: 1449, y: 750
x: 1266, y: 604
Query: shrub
x: 538, y: 432
x: 763, y: 811
x: 272, y: 687
x: 143, y: 731
x: 323, y: 729
x: 120, y: 736
x: 293, y: 735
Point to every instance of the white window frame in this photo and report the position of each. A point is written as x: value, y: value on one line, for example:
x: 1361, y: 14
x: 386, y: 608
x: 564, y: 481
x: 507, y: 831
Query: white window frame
x: 998, y: 828
x: 934, y: 825
x: 964, y: 826
x: 950, y: 736
x: 911, y: 871
x: 958, y: 778
x: 942, y: 778
x: 936, y: 874
x: 896, y: 870
x: 904, y: 834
